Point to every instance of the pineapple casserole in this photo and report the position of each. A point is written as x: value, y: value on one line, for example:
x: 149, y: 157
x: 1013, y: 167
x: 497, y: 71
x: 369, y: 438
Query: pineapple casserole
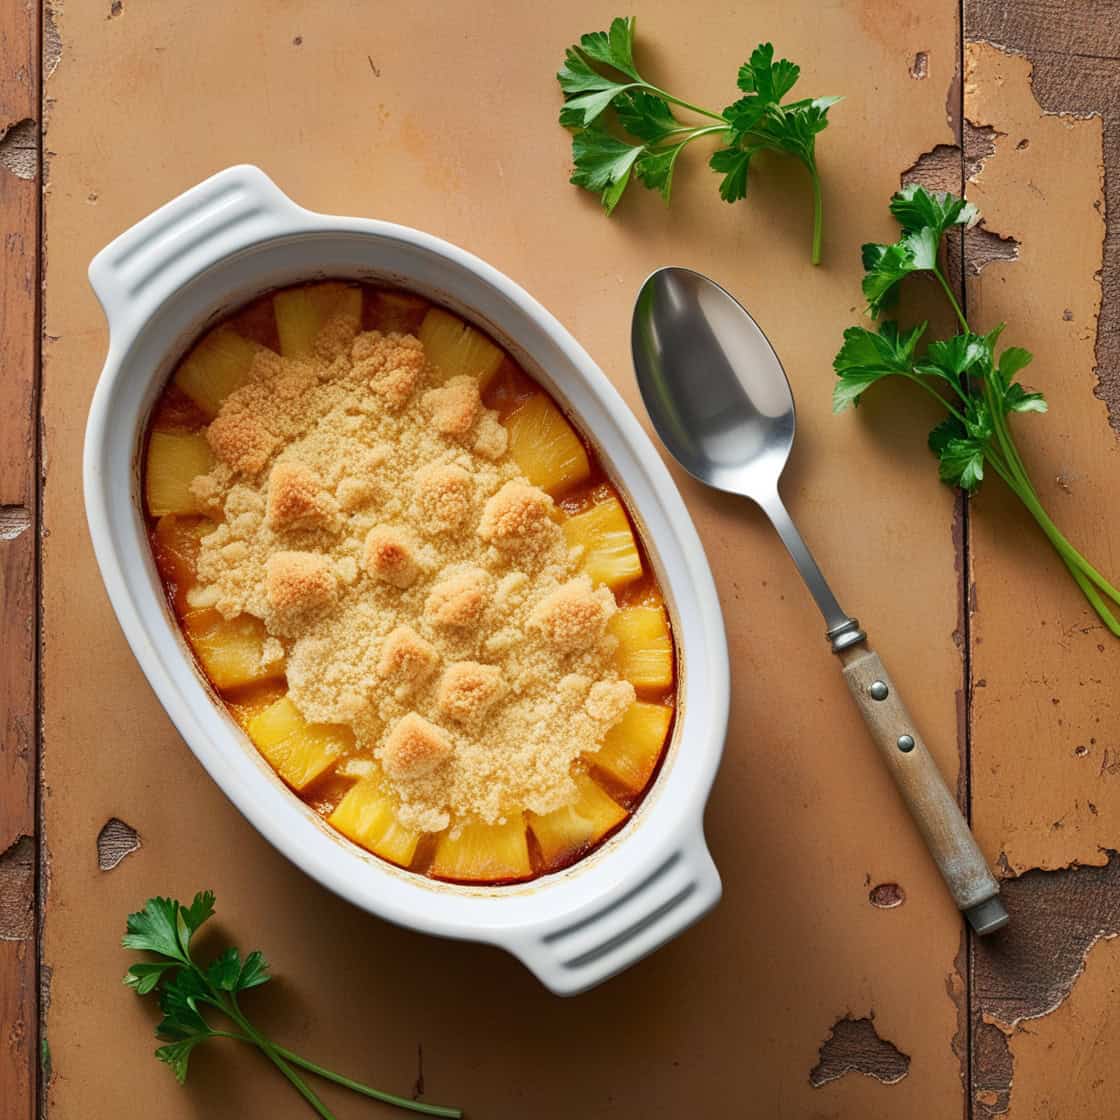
x: 410, y: 582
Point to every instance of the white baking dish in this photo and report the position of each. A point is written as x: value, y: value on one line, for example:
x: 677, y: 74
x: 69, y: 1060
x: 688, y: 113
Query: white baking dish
x: 236, y: 236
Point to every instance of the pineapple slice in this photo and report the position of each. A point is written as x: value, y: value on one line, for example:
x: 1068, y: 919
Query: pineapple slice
x: 610, y: 554
x: 230, y: 650
x: 564, y: 833
x: 484, y: 853
x: 645, y: 648
x: 454, y: 349
x: 545, y: 446
x: 297, y: 750
x: 632, y: 747
x: 251, y: 701
x: 175, y: 460
x: 175, y: 543
x: 301, y: 313
x: 368, y: 816
x: 391, y: 310
x: 214, y: 368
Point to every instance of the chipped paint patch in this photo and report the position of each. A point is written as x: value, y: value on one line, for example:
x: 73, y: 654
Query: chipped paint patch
x: 52, y: 41
x: 919, y: 68
x: 115, y: 841
x: 984, y: 246
x: 886, y: 896
x: 1029, y: 971
x: 854, y: 1046
x: 19, y: 149
x: 14, y: 522
x: 17, y: 890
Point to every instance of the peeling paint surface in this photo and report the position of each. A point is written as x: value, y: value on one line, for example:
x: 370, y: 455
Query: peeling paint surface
x: 115, y: 841
x: 854, y: 1046
x: 1051, y: 668
x: 17, y: 893
x: 1043, y: 727
x: 19, y: 149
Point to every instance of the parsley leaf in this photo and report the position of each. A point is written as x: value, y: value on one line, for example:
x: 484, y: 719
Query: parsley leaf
x: 951, y: 357
x: 177, y: 1055
x: 962, y: 462
x: 642, y: 137
x: 646, y: 116
x: 917, y: 209
x: 614, y: 47
x: 189, y: 991
x: 978, y: 391
x: 1017, y: 399
x: 603, y: 164
x: 884, y: 267
x: 867, y: 357
x: 770, y: 80
x: 734, y: 163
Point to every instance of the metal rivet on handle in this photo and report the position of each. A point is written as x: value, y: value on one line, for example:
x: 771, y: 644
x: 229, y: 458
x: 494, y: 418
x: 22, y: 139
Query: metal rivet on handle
x: 906, y: 743
x: 878, y: 690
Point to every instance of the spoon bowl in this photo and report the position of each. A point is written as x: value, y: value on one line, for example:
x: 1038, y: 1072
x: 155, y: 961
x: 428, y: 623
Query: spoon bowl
x: 732, y: 426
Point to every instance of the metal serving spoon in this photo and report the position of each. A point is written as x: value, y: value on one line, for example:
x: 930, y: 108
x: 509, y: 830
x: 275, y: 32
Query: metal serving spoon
x: 720, y: 401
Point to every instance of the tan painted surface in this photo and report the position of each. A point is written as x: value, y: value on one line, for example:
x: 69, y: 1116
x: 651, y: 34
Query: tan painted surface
x: 443, y: 116
x: 1065, y: 1064
x: 1046, y: 758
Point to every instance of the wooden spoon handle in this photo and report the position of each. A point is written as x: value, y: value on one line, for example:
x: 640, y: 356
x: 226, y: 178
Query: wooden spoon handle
x: 933, y: 807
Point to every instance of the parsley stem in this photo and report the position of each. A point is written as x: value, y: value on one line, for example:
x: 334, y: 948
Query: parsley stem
x: 935, y: 394
x: 685, y: 104
x: 952, y: 299
x: 818, y: 211
x: 229, y: 1006
x: 366, y: 1091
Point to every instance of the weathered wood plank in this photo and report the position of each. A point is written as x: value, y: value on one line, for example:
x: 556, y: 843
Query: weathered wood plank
x: 1042, y: 84
x: 19, y: 322
x: 772, y: 1006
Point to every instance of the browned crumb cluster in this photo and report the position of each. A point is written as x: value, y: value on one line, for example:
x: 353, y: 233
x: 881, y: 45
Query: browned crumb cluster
x: 420, y: 585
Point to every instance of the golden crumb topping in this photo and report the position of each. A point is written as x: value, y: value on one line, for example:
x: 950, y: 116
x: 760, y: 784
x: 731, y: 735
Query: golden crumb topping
x: 573, y: 615
x: 453, y: 407
x: 444, y: 497
x: 458, y: 599
x: 420, y: 587
x: 390, y: 554
x: 406, y: 658
x: 414, y: 748
x: 469, y: 690
x: 518, y: 517
x: 297, y: 582
x: 296, y: 498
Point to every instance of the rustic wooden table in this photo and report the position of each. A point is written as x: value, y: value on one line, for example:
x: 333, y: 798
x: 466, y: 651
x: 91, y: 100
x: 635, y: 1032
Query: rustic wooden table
x: 835, y: 979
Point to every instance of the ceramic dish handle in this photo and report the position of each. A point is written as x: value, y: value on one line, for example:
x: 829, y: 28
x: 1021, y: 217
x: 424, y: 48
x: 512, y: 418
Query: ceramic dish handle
x: 585, y: 948
x: 230, y: 211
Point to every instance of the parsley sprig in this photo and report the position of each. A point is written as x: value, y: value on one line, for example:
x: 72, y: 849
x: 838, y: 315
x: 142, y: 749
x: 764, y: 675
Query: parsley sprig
x: 191, y: 993
x: 975, y: 386
x: 649, y: 137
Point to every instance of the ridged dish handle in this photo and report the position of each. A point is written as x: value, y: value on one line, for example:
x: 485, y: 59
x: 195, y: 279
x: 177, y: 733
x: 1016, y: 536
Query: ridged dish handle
x: 136, y: 273
x: 584, y: 948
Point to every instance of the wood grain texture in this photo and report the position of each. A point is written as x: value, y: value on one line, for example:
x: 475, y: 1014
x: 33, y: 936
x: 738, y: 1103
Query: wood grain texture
x: 19, y: 319
x: 803, y: 819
